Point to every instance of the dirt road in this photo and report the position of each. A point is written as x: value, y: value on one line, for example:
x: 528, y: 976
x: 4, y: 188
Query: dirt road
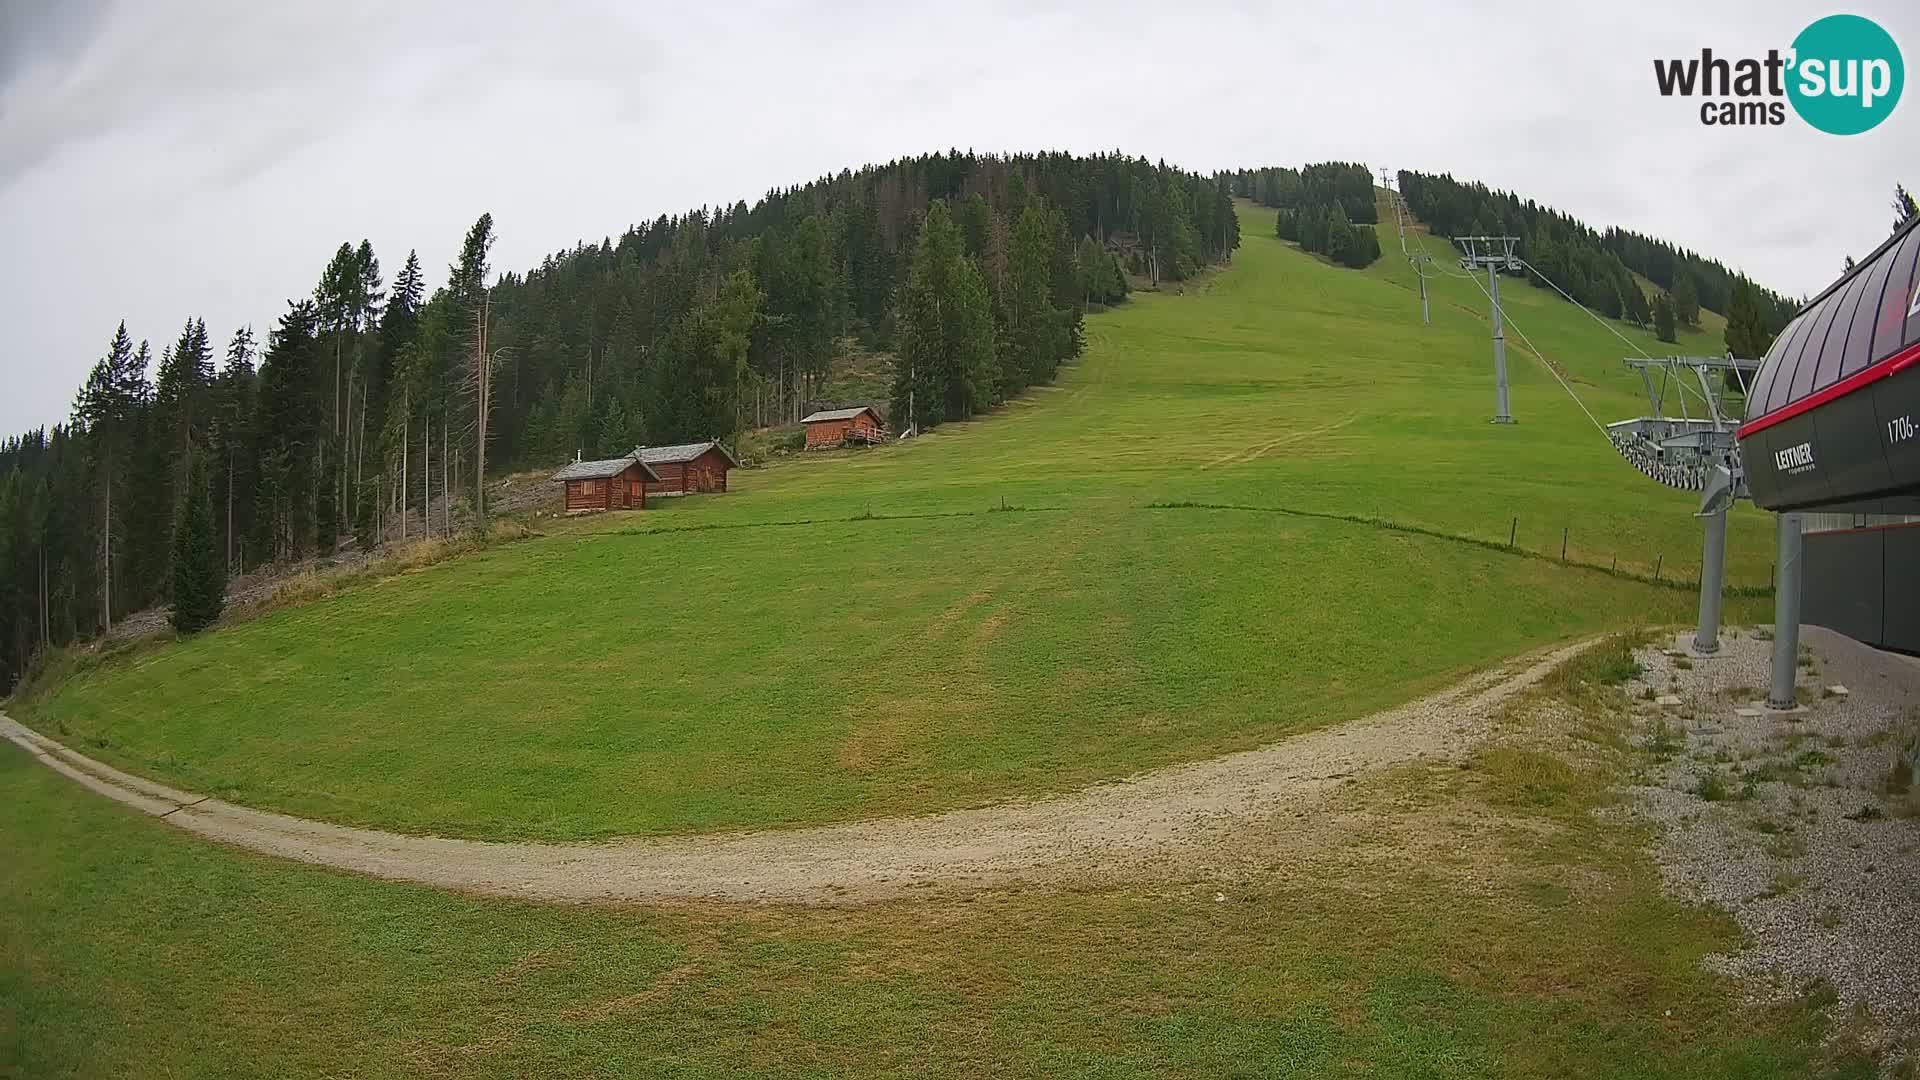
x: 1109, y: 830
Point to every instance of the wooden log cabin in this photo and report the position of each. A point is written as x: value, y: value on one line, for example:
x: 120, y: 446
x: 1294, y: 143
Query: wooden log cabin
x: 613, y: 484
x: 687, y: 467
x: 841, y: 427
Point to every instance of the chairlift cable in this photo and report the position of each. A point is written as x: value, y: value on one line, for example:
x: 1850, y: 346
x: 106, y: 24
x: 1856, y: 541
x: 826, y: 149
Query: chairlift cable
x: 1544, y: 362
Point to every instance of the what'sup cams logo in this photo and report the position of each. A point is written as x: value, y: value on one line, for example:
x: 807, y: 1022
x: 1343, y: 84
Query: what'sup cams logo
x: 1843, y: 75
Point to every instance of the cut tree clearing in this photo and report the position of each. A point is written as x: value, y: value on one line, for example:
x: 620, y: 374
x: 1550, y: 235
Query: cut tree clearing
x: 1103, y: 831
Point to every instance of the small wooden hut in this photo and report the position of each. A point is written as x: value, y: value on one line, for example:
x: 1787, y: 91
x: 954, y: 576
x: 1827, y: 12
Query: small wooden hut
x: 839, y: 427
x: 687, y: 467
x: 613, y: 484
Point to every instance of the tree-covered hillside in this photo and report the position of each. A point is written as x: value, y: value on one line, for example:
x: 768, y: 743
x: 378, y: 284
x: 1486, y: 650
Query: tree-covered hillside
x: 366, y: 403
x: 1596, y: 267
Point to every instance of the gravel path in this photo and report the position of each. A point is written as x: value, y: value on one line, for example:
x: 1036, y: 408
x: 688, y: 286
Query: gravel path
x: 1127, y: 827
x: 1794, y: 823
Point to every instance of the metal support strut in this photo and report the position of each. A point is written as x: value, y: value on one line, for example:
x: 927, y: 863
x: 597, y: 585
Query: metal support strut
x: 1713, y: 564
x: 1786, y: 616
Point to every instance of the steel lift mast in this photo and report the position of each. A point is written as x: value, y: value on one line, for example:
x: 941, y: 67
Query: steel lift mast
x: 1700, y: 453
x: 1493, y: 254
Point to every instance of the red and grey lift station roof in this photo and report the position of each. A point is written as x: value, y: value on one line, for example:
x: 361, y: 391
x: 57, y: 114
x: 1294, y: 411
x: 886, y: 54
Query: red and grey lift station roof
x: 1835, y: 405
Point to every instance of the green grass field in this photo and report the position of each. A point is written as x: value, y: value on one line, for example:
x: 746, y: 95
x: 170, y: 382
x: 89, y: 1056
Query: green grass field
x: 859, y: 634
x: 1481, y: 922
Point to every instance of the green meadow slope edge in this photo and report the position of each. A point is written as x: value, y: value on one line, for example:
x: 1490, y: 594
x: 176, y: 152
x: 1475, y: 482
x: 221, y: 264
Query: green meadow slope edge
x: 909, y: 648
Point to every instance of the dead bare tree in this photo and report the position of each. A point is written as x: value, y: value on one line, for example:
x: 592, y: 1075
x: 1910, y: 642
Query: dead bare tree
x: 406, y: 448
x: 481, y: 362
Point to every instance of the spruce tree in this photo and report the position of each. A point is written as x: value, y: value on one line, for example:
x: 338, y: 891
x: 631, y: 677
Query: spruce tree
x: 1748, y: 335
x: 327, y: 510
x: 1636, y: 305
x: 1686, y: 301
x: 1663, y: 327
x: 1030, y: 351
x: 199, y: 566
x: 467, y: 278
x: 287, y: 420
x: 1904, y: 207
x: 1339, y: 235
x: 944, y: 368
x: 976, y: 222
x: 108, y: 410
x: 616, y: 434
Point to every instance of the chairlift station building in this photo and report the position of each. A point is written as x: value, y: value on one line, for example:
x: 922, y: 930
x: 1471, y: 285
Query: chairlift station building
x: 1834, y: 432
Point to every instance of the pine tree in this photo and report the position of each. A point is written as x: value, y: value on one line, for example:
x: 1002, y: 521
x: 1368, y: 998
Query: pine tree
x: 1686, y: 301
x: 1101, y: 279
x: 326, y: 516
x: 336, y: 310
x: 616, y: 435
x: 1028, y: 351
x: 1663, y: 319
x: 107, y: 409
x: 704, y: 367
x: 1904, y: 207
x: 1339, y: 235
x: 232, y: 446
x: 400, y: 320
x: 289, y: 423
x: 1748, y: 335
x: 944, y: 369
x: 975, y: 224
x: 181, y: 389
x: 199, y: 569
x: 1635, y: 302
x: 468, y: 276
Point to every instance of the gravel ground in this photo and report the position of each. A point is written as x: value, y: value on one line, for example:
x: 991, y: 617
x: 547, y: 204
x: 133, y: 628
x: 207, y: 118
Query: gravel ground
x: 257, y: 585
x: 1148, y: 825
x: 1794, y: 823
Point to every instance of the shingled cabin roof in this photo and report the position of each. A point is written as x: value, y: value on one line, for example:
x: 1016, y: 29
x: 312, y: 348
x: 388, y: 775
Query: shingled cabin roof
x: 596, y: 470
x: 839, y: 414
x: 674, y: 455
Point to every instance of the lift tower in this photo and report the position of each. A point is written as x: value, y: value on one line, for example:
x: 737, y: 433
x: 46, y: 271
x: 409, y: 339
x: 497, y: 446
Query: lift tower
x: 1697, y: 453
x: 1399, y: 206
x: 1493, y: 254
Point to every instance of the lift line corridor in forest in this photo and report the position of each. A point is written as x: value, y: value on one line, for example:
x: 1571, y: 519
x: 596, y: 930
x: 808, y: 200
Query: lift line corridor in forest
x: 1688, y: 453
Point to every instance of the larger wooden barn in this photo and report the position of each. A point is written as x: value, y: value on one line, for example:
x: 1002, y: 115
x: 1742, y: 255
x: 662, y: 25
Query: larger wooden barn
x: 839, y: 427
x: 688, y: 467
x: 613, y: 484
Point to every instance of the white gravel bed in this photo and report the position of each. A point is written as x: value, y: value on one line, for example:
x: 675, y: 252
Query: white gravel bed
x: 1793, y: 822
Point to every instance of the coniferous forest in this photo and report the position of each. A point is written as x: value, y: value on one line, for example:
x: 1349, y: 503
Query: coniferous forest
x: 383, y: 393
x: 1597, y: 268
x: 1327, y: 208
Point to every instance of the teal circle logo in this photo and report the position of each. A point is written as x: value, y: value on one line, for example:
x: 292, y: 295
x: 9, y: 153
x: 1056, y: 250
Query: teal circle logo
x: 1846, y: 75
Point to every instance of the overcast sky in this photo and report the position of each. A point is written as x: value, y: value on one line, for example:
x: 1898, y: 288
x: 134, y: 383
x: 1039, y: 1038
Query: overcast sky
x: 162, y: 159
